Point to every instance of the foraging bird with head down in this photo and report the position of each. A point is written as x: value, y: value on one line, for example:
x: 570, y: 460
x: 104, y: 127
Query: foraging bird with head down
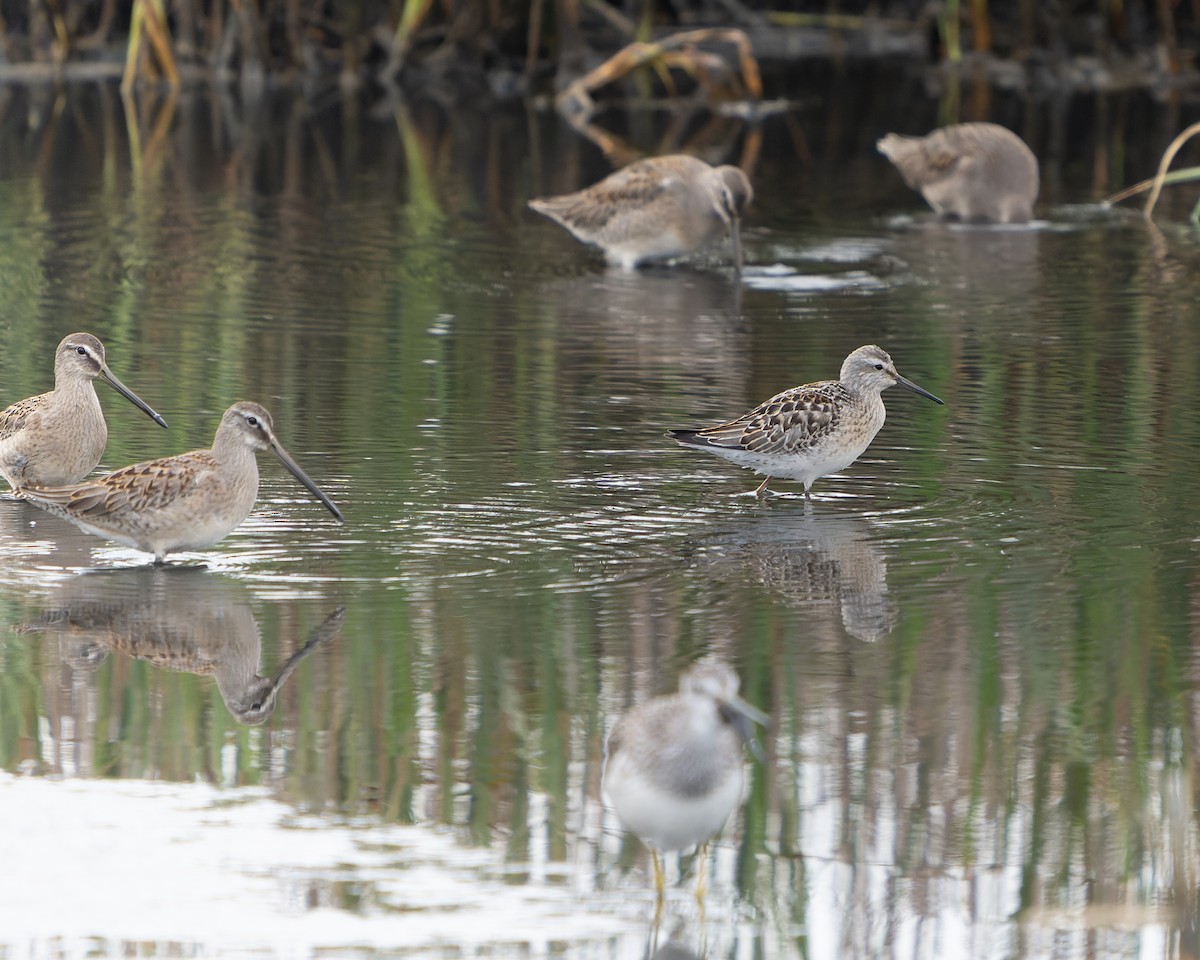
x: 59, y: 437
x: 812, y: 430
x: 979, y: 172
x: 185, y: 502
x: 659, y: 208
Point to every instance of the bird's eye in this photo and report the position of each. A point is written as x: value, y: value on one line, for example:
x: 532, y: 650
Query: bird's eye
x: 82, y: 351
x: 879, y: 366
x: 253, y: 421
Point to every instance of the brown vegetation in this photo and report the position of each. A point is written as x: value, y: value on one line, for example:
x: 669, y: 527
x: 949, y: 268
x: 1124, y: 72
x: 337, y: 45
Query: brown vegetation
x: 516, y: 43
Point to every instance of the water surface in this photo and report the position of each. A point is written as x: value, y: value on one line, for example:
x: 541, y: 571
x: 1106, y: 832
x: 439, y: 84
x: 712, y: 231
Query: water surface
x: 977, y: 644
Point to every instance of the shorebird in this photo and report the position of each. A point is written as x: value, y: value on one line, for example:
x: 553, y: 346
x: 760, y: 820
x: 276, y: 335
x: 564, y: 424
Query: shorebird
x: 812, y: 430
x: 58, y: 437
x: 673, y: 765
x: 183, y: 502
x: 973, y: 171
x: 655, y: 209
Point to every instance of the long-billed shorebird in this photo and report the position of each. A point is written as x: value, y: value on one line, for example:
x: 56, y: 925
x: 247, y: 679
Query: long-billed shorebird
x: 655, y: 209
x: 58, y: 437
x: 184, y: 502
x: 972, y: 171
x: 673, y: 769
x: 812, y: 430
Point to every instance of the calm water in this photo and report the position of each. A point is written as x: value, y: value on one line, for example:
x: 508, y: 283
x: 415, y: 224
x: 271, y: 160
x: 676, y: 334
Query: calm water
x: 978, y: 645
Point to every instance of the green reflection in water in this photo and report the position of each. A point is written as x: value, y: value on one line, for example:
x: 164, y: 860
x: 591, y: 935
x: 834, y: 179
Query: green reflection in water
x: 977, y: 645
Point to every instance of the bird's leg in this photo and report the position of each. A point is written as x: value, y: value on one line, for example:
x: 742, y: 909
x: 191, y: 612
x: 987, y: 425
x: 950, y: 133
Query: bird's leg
x: 762, y: 488
x: 807, y: 495
x: 702, y: 875
x: 659, y: 885
x: 652, y: 940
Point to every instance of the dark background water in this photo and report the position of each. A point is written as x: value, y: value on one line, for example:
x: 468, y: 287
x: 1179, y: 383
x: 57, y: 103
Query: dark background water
x: 977, y: 645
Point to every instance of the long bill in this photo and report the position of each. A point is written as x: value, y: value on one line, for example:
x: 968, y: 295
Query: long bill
x: 326, y: 630
x: 266, y: 695
x: 129, y: 395
x: 735, y: 235
x: 909, y: 385
x: 742, y: 716
x: 294, y: 469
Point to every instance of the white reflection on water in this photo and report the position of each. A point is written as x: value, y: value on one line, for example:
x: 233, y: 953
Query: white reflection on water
x: 100, y: 867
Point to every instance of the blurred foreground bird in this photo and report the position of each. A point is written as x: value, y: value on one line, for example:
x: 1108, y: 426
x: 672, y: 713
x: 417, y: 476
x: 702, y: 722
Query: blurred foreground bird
x: 673, y: 766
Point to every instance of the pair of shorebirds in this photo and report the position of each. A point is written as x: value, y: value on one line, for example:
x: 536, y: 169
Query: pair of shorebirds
x: 663, y: 208
x: 49, y: 443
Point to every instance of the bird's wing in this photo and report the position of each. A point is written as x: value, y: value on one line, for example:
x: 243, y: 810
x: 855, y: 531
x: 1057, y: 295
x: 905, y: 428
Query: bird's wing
x: 591, y: 210
x: 789, y: 422
x: 142, y: 486
x: 14, y: 418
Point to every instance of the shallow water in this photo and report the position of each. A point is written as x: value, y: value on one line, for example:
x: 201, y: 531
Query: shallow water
x: 977, y: 644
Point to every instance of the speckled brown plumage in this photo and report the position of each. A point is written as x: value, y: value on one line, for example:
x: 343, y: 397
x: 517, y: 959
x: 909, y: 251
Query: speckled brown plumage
x: 183, y: 502
x: 58, y: 437
x: 812, y: 430
x: 655, y: 209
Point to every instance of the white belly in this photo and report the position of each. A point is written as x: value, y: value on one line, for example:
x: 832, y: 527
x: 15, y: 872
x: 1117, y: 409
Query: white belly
x: 806, y: 466
x: 664, y: 820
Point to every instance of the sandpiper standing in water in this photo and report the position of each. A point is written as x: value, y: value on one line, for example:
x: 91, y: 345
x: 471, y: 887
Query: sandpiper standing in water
x: 673, y: 769
x: 179, y: 503
x: 972, y: 171
x: 655, y: 209
x: 59, y: 437
x: 812, y: 430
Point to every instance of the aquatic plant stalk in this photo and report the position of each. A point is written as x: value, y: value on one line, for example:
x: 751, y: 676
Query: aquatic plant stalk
x: 148, y: 20
x: 411, y: 17
x: 1163, y: 164
x: 1184, y: 175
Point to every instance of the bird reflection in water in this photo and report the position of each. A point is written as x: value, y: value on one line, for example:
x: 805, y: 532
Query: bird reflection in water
x: 812, y: 560
x: 185, y: 619
x: 681, y: 324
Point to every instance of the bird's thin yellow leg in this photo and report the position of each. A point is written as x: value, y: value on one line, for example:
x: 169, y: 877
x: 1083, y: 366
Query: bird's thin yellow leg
x: 762, y: 488
x: 702, y: 875
x: 659, y: 886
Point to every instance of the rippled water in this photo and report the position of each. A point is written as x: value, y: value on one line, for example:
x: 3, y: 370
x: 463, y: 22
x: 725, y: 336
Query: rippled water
x: 977, y: 645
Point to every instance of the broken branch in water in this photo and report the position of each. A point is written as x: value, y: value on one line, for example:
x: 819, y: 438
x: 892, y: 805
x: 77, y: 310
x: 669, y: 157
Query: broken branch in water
x: 678, y: 50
